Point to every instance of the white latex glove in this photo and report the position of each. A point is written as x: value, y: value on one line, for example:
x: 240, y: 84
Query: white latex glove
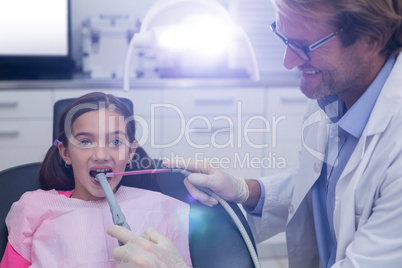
x: 151, y: 249
x: 206, y: 174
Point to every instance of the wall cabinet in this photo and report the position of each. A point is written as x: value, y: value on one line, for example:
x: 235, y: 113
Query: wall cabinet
x: 25, y: 126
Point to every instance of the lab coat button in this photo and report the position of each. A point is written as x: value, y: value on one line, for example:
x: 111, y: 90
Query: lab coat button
x: 290, y: 209
x: 317, y: 167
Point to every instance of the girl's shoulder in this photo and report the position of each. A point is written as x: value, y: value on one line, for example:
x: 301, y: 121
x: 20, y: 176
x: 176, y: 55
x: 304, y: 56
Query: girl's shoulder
x: 38, y: 196
x: 34, y: 205
x: 26, y: 215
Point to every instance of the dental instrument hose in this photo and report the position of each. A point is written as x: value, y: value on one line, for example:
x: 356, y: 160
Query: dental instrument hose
x: 238, y: 223
x: 232, y: 214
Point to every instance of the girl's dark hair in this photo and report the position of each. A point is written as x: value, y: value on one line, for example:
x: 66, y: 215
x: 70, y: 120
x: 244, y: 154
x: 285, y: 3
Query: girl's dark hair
x: 54, y: 174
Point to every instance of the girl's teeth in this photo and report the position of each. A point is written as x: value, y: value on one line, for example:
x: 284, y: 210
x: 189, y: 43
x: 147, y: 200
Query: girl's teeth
x: 95, y: 172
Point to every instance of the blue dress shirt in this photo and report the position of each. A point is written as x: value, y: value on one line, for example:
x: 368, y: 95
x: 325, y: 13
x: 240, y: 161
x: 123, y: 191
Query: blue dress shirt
x: 345, y: 131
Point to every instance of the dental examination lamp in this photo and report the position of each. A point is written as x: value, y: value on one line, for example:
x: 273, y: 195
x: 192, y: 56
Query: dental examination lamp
x: 189, y: 39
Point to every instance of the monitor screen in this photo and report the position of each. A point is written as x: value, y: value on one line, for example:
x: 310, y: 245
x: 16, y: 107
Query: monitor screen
x: 35, y: 38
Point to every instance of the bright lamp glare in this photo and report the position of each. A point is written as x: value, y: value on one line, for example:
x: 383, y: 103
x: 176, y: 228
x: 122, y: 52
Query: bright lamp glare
x: 205, y: 35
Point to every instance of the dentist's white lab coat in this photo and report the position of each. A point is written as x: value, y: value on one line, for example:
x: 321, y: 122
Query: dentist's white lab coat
x: 368, y: 199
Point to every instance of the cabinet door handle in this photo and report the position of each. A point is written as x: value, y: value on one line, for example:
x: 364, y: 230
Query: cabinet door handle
x: 11, y: 104
x: 214, y: 101
x: 9, y: 134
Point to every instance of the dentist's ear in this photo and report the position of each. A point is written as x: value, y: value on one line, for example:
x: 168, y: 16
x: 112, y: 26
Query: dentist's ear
x: 375, y: 44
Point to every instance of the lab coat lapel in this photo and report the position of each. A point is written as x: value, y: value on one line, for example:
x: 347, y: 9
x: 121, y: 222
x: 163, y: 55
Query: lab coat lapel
x: 312, y: 155
x: 345, y: 197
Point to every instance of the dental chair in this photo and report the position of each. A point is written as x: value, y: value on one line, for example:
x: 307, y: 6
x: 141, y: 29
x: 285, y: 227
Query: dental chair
x: 215, y: 241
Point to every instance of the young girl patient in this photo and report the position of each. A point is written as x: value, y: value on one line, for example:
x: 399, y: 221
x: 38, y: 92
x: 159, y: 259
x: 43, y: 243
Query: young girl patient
x: 65, y: 224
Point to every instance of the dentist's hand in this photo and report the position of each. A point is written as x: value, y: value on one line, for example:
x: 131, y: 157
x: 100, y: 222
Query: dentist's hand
x: 151, y: 249
x: 206, y: 174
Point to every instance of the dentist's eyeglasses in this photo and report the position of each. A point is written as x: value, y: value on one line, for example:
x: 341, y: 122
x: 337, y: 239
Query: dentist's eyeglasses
x: 302, y: 51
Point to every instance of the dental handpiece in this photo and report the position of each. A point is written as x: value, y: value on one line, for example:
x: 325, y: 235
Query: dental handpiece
x: 117, y: 214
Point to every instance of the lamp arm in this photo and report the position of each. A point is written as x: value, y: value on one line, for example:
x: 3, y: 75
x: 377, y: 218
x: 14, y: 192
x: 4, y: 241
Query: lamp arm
x: 254, y: 65
x: 162, y: 6
x: 129, y: 56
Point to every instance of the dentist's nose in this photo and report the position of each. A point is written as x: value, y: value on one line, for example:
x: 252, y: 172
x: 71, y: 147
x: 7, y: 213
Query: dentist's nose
x: 291, y: 60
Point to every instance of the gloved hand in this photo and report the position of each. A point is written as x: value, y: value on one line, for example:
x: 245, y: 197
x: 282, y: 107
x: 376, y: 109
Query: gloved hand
x: 206, y: 174
x: 151, y: 249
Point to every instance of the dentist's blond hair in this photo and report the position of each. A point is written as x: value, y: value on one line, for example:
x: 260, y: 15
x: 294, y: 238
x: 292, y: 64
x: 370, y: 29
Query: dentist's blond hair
x: 376, y: 19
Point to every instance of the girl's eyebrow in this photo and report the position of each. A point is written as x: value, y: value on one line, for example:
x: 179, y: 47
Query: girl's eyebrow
x: 90, y: 135
x: 83, y: 134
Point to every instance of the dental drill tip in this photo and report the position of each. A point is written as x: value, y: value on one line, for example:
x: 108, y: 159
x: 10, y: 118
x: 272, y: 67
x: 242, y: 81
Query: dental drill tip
x: 97, y: 177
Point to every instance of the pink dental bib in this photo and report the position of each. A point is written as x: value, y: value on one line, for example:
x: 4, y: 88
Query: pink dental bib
x: 52, y: 230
